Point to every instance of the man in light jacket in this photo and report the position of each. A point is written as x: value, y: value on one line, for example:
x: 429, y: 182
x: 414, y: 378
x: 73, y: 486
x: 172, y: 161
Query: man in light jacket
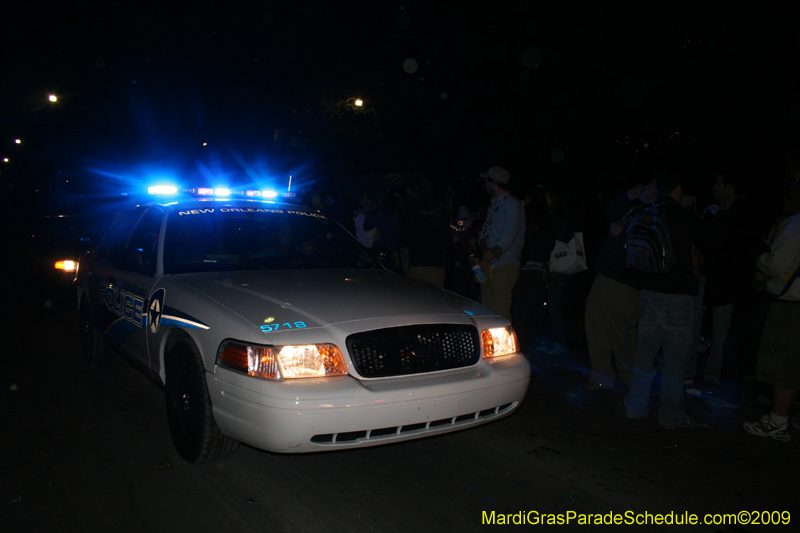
x: 779, y: 354
x: 500, y: 242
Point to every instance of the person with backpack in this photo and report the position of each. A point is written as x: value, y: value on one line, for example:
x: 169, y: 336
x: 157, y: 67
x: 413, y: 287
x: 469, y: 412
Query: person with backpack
x: 612, y: 307
x: 659, y: 245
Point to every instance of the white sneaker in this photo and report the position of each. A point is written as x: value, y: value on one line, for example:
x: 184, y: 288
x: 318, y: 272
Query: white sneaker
x: 693, y: 392
x: 765, y: 427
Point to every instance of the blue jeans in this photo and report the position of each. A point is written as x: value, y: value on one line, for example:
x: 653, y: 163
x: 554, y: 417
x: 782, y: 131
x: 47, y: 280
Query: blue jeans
x: 665, y: 322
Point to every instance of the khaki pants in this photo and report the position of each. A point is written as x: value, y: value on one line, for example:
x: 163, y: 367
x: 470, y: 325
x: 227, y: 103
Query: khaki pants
x: 498, y: 296
x: 611, y: 329
x: 778, y: 361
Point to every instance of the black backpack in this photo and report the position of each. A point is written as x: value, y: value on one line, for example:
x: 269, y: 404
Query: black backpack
x: 647, y: 246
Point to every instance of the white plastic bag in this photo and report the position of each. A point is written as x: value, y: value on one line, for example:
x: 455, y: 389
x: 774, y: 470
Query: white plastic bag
x: 570, y: 257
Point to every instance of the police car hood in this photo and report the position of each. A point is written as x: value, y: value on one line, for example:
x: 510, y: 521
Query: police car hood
x: 328, y: 296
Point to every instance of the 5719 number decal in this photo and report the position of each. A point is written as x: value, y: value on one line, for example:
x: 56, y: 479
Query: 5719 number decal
x: 288, y: 325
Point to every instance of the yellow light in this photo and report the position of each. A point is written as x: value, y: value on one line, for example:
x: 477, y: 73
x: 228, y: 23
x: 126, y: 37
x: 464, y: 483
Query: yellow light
x: 331, y: 359
x: 262, y: 363
x: 53, y: 98
x: 359, y: 102
x: 499, y: 341
x: 66, y: 266
x: 307, y: 361
x: 283, y: 362
x: 487, y: 340
x: 301, y: 361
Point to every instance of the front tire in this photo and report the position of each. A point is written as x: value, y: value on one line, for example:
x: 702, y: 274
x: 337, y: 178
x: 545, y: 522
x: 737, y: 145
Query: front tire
x: 194, y: 431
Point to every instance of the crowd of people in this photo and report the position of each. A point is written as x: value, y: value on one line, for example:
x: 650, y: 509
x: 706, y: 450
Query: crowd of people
x: 640, y: 321
x: 670, y: 279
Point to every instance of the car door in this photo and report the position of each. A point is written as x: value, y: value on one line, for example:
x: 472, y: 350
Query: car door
x: 127, y: 277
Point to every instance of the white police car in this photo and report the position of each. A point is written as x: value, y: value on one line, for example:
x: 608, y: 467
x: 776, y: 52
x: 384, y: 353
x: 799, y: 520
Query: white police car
x: 268, y: 324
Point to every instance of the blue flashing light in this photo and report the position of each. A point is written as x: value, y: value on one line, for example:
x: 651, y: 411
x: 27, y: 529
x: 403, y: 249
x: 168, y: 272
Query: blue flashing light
x: 221, y: 193
x: 162, y: 189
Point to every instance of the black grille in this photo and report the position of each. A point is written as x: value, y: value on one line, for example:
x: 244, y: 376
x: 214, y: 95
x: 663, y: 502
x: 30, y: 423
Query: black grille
x: 413, y: 349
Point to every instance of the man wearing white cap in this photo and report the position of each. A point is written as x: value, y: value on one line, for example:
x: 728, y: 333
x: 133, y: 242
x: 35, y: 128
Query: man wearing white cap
x: 500, y: 242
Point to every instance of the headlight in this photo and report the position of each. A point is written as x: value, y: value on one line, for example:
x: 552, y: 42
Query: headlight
x: 282, y: 362
x: 499, y: 341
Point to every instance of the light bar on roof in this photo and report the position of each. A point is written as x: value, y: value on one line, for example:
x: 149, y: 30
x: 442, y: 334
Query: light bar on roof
x: 162, y: 189
x: 222, y: 192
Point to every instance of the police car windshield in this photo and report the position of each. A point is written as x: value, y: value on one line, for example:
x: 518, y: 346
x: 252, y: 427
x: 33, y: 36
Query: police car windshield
x: 254, y: 238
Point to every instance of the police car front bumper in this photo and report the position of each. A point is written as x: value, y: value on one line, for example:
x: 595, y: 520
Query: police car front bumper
x: 310, y: 415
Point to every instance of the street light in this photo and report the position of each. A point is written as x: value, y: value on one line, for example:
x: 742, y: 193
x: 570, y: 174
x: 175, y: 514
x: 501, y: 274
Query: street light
x: 53, y: 98
x: 354, y: 102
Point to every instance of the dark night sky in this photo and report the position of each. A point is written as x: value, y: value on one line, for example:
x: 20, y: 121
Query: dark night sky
x: 509, y: 83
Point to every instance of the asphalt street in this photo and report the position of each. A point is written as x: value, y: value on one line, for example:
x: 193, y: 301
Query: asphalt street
x: 87, y: 448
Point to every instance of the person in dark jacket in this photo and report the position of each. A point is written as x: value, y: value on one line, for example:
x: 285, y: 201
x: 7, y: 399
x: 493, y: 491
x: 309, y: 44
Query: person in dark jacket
x: 564, y: 222
x: 386, y: 221
x: 730, y: 246
x: 528, y: 297
x: 429, y: 242
x: 612, y: 306
x: 666, y: 305
x: 412, y: 203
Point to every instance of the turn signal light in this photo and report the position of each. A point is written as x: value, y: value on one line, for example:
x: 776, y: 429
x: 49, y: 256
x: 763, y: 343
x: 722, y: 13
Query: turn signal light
x: 66, y: 266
